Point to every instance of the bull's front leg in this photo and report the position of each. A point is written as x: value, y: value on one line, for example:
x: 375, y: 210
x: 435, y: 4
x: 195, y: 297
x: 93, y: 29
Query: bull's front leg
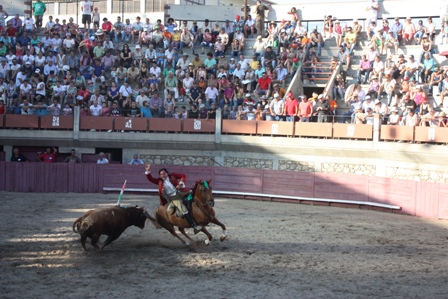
x: 109, y: 240
x: 83, y: 242
x: 94, y: 242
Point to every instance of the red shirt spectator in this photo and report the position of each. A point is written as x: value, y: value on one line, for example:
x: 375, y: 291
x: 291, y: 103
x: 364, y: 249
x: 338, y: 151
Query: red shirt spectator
x: 264, y: 82
x: 107, y: 26
x: 291, y: 106
x: 305, y: 108
x: 11, y: 31
x: 48, y: 156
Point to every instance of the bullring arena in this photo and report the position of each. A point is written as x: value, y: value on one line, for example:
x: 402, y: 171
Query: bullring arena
x: 273, y: 250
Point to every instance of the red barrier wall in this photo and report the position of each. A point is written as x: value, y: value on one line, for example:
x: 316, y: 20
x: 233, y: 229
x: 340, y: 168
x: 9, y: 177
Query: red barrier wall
x: 429, y: 200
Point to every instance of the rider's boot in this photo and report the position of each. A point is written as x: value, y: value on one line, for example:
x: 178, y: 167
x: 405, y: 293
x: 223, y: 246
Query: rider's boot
x: 190, y: 220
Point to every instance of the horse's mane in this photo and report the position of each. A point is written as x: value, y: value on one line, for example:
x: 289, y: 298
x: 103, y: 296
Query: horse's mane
x: 196, y: 185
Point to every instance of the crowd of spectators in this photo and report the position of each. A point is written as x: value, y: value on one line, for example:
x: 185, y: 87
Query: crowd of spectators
x: 393, y: 87
x: 135, y: 68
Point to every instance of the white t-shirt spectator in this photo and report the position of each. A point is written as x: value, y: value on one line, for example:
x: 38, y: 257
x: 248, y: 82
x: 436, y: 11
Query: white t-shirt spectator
x: 26, y: 109
x: 169, y: 54
x: 58, y: 89
x: 102, y: 161
x: 55, y: 109
x: 239, y: 73
x: 20, y: 76
x: 95, y: 110
x: 155, y: 71
x: 4, y: 69
x: 86, y: 7
x: 48, y: 68
x: 29, y: 24
x: 188, y: 83
x: 125, y: 91
x: 211, y: 93
x: 40, y: 89
x: 150, y: 54
x: 26, y: 58
x: 69, y: 43
x: 25, y: 89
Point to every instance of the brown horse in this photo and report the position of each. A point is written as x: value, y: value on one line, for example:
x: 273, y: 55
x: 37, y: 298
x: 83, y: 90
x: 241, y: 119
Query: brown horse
x: 201, y: 210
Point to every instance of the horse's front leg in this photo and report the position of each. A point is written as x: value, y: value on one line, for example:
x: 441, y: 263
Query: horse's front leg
x: 209, y: 236
x: 182, y: 230
x: 224, y: 231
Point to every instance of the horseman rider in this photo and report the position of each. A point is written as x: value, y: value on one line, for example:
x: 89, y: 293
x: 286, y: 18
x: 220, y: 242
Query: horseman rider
x: 172, y: 189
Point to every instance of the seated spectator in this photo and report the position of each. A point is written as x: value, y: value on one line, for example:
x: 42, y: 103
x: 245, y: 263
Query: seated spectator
x: 426, y: 45
x: 193, y: 112
x: 316, y: 40
x: 263, y: 86
x: 102, y: 159
x: 350, y: 40
x: 408, y: 31
x: 428, y: 68
x: 145, y: 110
x: 249, y: 27
x: 397, y: 30
x: 412, y: 68
x: 436, y: 80
x: 269, y: 58
x: 364, y: 69
x: 411, y: 118
x: 391, y: 42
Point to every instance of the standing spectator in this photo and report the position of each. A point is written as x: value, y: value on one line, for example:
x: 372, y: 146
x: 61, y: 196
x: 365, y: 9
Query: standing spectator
x: 322, y: 109
x: 86, y: 8
x: 39, y: 8
x: 291, y: 108
x: 102, y: 160
x: 3, y: 16
x: 96, y: 18
x: 372, y: 11
x: 261, y: 11
x: 305, y: 110
x: 48, y: 156
x: 73, y: 158
x: 17, y: 156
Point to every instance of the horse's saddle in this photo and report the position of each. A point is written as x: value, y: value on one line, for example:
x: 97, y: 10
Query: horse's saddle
x: 186, y: 201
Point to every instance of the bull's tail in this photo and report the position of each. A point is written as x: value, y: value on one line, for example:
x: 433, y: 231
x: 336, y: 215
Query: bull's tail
x: 77, y: 224
x: 81, y: 224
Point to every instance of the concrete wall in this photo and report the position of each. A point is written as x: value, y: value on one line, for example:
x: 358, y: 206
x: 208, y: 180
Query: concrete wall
x: 315, y: 10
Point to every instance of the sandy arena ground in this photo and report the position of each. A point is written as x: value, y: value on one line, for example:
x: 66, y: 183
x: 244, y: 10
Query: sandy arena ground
x: 273, y: 250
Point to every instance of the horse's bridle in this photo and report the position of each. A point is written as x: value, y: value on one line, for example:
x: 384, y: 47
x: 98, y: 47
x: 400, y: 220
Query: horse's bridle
x: 208, y: 202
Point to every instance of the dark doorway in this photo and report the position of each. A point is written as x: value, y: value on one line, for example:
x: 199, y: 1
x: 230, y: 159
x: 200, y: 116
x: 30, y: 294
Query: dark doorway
x: 308, y: 91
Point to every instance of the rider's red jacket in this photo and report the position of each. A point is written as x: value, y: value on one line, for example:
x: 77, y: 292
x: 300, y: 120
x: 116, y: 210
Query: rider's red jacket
x: 174, y: 179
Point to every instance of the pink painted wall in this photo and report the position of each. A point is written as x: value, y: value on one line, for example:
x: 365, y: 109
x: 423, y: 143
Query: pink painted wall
x: 428, y: 200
